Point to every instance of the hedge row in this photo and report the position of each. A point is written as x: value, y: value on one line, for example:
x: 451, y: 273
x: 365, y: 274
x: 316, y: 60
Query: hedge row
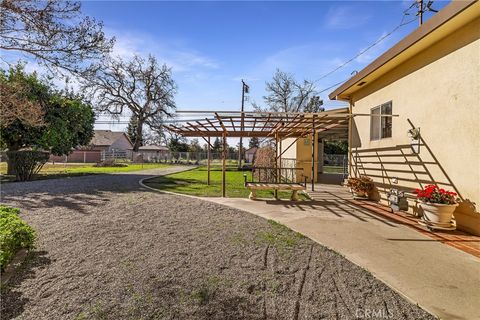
x: 15, y: 234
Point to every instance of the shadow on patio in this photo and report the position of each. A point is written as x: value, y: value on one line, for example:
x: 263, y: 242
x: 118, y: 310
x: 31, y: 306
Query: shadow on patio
x: 337, y: 200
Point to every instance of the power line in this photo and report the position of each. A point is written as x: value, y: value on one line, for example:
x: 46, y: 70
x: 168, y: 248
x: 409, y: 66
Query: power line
x: 402, y: 23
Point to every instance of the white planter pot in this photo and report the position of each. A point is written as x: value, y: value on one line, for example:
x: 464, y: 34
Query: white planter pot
x: 438, y: 214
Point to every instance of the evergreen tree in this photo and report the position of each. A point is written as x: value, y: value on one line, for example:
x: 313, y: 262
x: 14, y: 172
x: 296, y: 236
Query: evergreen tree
x: 254, y: 142
x: 132, y: 129
x: 217, y: 146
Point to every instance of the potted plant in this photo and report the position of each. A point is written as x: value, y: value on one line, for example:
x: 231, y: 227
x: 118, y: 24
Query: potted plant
x: 360, y: 187
x: 438, y: 205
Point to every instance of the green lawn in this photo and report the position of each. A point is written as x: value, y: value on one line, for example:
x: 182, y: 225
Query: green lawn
x: 331, y: 169
x: 50, y: 171
x: 194, y: 182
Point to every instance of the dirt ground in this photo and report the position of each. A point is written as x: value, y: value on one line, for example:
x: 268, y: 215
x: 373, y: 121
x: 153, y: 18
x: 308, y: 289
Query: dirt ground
x: 109, y: 249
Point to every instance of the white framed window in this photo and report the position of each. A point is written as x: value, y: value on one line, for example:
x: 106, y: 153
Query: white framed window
x: 381, y: 126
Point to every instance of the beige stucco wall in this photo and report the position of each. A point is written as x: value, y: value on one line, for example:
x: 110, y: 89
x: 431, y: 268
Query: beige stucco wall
x: 437, y: 91
x: 301, y: 152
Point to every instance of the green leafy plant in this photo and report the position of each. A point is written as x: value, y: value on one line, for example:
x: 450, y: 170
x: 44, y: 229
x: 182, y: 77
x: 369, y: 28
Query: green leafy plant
x: 363, y: 184
x: 27, y: 163
x: 15, y: 234
x: 42, y: 117
x: 110, y: 163
x: 434, y: 194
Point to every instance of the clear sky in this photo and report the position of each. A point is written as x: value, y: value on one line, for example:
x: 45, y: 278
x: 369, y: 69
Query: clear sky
x: 211, y: 46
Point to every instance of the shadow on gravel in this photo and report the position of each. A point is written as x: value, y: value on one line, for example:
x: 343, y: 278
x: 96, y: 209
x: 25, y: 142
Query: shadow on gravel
x: 76, y: 193
x: 12, y: 302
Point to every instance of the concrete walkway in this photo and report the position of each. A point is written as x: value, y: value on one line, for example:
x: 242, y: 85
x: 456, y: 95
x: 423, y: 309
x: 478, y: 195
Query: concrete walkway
x: 443, y: 280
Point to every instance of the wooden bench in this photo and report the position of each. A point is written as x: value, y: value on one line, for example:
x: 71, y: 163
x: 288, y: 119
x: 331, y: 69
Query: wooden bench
x: 276, y: 178
x: 254, y: 186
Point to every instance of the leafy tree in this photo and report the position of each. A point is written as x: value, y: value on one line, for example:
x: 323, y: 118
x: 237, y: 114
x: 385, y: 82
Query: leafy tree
x: 54, y: 33
x: 140, y: 85
x: 254, y: 142
x: 314, y: 105
x: 335, y: 147
x: 285, y: 94
x: 66, y: 121
x: 177, y: 143
x: 232, y: 150
x: 217, y: 145
x: 132, y: 129
x: 16, y: 105
x: 194, y: 146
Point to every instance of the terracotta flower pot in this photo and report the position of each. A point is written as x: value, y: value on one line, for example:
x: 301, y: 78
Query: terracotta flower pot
x: 359, y: 193
x: 438, y: 214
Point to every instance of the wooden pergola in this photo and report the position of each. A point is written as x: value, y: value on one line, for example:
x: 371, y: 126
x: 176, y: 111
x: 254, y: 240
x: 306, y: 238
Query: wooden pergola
x: 275, y: 125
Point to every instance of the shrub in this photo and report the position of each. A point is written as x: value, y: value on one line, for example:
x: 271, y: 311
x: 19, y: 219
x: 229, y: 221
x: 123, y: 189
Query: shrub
x: 265, y: 160
x: 15, y: 234
x: 265, y: 157
x: 110, y: 163
x: 363, y: 184
x: 27, y: 163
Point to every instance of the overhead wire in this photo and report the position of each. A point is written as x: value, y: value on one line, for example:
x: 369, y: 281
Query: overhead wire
x: 378, y: 41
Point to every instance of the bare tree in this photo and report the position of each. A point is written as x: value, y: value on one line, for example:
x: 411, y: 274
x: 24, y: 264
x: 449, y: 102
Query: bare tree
x: 155, y: 137
x: 53, y: 32
x: 140, y: 85
x: 285, y: 94
x: 15, y: 105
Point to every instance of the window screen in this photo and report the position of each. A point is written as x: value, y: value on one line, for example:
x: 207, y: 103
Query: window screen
x: 375, y: 124
x: 381, y: 127
x: 386, y: 122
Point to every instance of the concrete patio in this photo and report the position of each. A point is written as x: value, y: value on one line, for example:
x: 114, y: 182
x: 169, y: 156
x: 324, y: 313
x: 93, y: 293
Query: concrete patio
x: 443, y: 280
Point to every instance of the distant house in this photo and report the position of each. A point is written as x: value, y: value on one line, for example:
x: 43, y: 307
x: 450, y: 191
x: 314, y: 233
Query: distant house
x: 107, y: 140
x: 103, y: 141
x: 250, y: 154
x: 150, y: 153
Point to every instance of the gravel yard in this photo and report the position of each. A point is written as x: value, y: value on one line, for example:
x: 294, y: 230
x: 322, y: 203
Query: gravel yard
x: 109, y: 249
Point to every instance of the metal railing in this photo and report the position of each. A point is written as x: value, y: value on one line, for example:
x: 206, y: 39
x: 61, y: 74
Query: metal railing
x: 277, y: 175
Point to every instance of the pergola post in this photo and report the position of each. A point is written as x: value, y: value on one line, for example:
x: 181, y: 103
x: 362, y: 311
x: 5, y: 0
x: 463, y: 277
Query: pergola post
x: 350, y: 126
x: 276, y: 163
x: 313, y: 153
x: 209, y: 157
x: 224, y: 163
x: 283, y: 125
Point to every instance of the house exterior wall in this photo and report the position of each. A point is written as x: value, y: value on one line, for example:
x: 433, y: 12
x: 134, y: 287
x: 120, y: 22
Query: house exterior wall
x: 437, y: 91
x: 301, y: 153
x: 249, y: 157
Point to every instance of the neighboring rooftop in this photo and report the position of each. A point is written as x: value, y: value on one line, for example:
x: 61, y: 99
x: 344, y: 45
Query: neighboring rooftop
x: 152, y: 148
x: 106, y: 137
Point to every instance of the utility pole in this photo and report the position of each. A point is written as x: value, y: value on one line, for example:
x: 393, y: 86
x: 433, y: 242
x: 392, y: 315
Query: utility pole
x: 420, y: 11
x: 423, y: 8
x: 245, y: 89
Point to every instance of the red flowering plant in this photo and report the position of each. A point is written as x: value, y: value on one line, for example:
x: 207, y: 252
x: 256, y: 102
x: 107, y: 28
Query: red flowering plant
x: 434, y: 194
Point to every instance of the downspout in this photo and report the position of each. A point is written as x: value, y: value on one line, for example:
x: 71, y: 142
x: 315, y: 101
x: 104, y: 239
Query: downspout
x: 350, y: 126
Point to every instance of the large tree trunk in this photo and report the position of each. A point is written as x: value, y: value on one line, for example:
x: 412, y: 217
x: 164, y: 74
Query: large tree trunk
x: 10, y: 164
x: 10, y: 167
x: 138, y: 135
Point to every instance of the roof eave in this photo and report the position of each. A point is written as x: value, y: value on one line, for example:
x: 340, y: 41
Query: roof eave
x: 450, y: 11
